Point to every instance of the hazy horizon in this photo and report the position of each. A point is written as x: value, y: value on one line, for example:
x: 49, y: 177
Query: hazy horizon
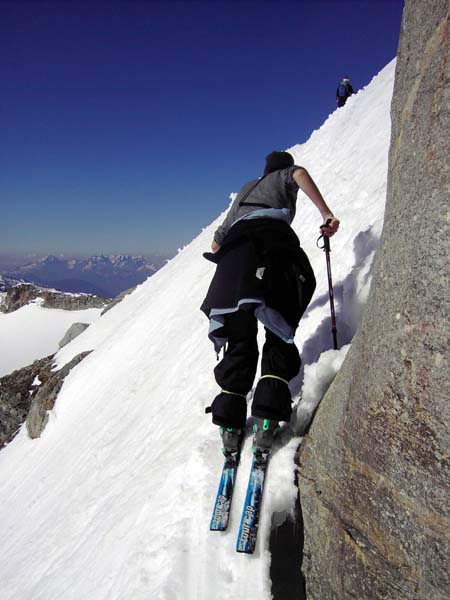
x: 11, y: 259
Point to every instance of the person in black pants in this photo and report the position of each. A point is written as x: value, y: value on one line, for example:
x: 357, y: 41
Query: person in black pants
x: 344, y: 90
x: 262, y: 275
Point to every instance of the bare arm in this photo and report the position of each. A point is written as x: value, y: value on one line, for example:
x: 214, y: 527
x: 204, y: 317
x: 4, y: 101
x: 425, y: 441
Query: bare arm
x: 307, y: 185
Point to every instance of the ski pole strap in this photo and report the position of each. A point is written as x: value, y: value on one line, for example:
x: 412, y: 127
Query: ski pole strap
x: 247, y: 194
x: 259, y: 204
x: 234, y: 393
x: 274, y: 377
x: 326, y: 239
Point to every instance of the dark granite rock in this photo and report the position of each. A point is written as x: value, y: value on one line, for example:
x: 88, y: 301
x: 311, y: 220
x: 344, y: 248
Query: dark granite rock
x: 28, y: 394
x: 16, y: 394
x: 74, y: 331
x: 374, y: 468
x: 44, y: 400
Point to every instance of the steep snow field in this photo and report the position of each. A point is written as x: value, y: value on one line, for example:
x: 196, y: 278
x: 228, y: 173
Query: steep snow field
x: 32, y: 332
x: 114, y: 500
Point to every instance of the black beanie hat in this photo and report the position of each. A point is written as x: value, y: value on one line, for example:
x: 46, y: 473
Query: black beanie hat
x: 278, y: 160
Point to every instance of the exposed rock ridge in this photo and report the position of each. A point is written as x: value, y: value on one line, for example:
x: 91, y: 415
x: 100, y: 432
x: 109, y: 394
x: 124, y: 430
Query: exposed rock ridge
x: 16, y: 395
x: 45, y: 398
x: 74, y: 331
x: 24, y: 293
x: 28, y: 394
x: 374, y: 468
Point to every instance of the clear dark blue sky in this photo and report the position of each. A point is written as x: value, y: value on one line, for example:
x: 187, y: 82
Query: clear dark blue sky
x: 126, y: 125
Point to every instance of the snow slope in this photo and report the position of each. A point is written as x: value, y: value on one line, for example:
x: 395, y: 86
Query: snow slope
x: 32, y: 332
x: 114, y: 501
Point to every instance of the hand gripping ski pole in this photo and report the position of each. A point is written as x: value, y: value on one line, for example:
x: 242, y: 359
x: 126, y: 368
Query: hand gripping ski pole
x: 327, y: 250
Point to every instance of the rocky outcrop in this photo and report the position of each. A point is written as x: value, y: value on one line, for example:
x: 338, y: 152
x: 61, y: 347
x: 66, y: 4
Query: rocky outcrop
x: 28, y: 394
x: 16, y: 395
x: 74, y: 331
x: 24, y: 293
x: 374, y: 467
x: 44, y: 400
x: 8, y: 282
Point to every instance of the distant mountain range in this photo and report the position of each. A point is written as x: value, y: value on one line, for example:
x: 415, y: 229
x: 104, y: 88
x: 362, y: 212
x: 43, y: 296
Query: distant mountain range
x: 104, y: 276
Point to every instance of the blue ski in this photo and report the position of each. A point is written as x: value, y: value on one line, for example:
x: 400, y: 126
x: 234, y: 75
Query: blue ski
x: 222, y: 505
x: 248, y: 529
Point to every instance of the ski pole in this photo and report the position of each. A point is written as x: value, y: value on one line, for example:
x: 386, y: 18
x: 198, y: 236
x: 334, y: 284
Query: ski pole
x: 327, y: 250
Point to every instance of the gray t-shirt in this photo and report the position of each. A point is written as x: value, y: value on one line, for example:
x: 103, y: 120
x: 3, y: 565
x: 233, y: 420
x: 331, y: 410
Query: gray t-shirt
x: 274, y: 196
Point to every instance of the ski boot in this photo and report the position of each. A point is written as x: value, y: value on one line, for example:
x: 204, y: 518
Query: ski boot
x: 232, y: 439
x: 264, y: 432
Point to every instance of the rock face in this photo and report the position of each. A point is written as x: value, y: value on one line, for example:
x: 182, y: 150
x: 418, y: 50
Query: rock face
x: 24, y: 293
x: 44, y: 400
x: 28, y: 394
x: 16, y: 395
x: 74, y: 331
x: 375, y: 465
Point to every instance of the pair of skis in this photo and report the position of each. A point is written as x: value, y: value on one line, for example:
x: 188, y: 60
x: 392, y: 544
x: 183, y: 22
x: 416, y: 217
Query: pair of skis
x: 248, y: 528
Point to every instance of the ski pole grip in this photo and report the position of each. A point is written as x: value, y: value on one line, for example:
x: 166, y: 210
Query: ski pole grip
x: 326, y: 239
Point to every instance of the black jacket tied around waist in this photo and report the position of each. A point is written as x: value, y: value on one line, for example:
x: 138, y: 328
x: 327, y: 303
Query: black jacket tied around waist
x: 260, y: 267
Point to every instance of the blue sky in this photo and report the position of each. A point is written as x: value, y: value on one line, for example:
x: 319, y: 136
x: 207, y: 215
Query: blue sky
x: 126, y: 125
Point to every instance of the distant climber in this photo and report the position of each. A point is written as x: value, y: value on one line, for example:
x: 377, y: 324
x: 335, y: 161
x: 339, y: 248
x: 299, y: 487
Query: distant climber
x: 262, y: 274
x: 344, y: 90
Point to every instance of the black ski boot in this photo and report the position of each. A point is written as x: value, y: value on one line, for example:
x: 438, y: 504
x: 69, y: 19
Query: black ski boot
x: 232, y: 439
x: 264, y: 432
